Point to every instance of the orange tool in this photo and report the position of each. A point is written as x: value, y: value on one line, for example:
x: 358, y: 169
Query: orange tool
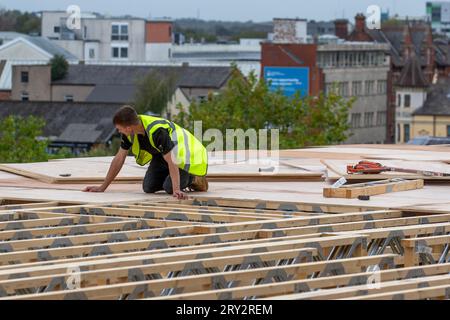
x: 369, y: 167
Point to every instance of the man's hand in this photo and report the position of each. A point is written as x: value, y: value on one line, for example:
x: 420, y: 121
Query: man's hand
x: 180, y: 195
x: 94, y: 189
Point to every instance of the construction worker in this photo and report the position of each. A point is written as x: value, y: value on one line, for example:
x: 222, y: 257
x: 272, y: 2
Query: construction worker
x: 178, y: 161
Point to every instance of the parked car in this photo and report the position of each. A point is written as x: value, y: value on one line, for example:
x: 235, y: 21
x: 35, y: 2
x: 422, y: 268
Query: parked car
x: 427, y: 140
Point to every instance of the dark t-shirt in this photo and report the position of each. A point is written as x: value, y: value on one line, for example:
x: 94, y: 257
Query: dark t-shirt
x: 161, y: 138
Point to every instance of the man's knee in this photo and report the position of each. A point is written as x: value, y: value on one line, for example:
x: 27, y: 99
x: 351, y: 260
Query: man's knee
x: 167, y: 186
x: 150, y: 188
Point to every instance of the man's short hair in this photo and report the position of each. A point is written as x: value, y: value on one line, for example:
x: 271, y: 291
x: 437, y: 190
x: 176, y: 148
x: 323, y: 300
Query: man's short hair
x: 126, y: 116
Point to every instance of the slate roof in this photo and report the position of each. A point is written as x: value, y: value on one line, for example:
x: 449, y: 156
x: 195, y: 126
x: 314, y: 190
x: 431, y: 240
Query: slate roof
x: 438, y: 100
x: 205, y: 77
x: 68, y: 121
x: 412, y: 75
x: 118, y: 83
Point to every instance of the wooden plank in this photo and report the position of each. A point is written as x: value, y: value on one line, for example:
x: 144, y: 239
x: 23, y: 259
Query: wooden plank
x: 352, y: 192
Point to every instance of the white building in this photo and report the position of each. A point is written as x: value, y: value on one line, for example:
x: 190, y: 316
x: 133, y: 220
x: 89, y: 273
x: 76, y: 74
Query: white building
x: 411, y: 93
x: 99, y: 38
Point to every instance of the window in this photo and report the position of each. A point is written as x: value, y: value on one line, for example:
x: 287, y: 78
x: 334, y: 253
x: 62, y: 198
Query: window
x: 399, y: 100
x: 91, y: 53
x: 120, y: 52
x: 57, y: 29
x: 202, y: 99
x: 381, y: 86
x: 85, y: 32
x: 25, y: 96
x: 370, y: 87
x: 407, y: 100
x: 406, y: 132
x: 355, y: 120
x: 24, y: 77
x: 124, y: 52
x: 330, y: 88
x: 343, y: 89
x: 448, y: 131
x: 368, y: 119
x: 68, y: 98
x: 119, y: 32
x: 381, y: 118
x: 356, y: 88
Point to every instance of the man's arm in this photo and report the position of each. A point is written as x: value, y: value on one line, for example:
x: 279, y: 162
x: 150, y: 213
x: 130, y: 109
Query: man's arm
x: 114, y: 169
x: 175, y: 177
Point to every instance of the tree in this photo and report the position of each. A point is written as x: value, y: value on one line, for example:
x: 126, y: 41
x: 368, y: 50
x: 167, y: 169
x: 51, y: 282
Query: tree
x: 249, y: 103
x: 60, y: 67
x: 154, y: 91
x: 14, y: 20
x: 18, y: 140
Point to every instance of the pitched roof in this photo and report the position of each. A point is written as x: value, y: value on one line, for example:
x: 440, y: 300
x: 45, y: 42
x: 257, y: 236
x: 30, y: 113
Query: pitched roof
x: 50, y: 47
x: 438, y: 100
x: 68, y: 121
x: 43, y: 44
x: 118, y: 83
x: 205, y: 77
x: 412, y: 75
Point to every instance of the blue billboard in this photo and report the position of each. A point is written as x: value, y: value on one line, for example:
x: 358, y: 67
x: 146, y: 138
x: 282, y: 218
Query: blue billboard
x: 288, y: 79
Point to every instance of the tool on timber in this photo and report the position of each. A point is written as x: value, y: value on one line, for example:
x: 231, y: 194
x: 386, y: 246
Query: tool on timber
x: 369, y: 167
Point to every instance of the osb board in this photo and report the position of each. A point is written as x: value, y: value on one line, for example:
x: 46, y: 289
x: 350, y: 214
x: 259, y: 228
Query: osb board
x: 86, y: 171
x: 95, y: 170
x: 338, y: 169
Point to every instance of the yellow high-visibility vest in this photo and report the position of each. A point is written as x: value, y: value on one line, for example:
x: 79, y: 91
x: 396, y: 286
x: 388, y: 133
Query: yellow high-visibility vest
x: 189, y: 154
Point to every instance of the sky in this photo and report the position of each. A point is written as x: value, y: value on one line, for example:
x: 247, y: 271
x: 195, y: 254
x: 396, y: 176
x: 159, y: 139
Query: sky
x: 229, y: 10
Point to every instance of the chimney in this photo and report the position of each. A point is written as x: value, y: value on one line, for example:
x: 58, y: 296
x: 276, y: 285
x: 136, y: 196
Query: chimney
x: 360, y: 23
x: 341, y: 28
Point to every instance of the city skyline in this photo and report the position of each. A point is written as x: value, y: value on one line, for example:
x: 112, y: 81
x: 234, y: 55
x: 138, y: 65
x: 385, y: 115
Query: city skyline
x: 231, y: 10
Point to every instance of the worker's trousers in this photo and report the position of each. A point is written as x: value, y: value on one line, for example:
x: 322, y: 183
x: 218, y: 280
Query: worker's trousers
x: 158, y: 178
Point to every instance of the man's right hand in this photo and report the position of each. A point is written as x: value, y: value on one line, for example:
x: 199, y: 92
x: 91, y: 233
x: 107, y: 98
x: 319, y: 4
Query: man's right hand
x: 94, y: 189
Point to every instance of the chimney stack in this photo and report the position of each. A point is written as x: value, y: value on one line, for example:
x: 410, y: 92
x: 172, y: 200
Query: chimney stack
x: 360, y: 22
x: 341, y: 28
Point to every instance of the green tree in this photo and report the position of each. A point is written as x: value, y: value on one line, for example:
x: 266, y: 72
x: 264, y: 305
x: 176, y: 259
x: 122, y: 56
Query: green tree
x: 249, y: 103
x: 18, y: 140
x: 60, y: 67
x: 154, y: 91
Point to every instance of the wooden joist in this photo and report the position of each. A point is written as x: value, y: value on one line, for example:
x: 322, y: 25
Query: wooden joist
x: 218, y: 249
x: 372, y: 188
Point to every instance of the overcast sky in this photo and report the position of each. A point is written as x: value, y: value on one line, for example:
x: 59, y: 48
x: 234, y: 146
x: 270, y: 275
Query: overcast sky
x: 230, y: 10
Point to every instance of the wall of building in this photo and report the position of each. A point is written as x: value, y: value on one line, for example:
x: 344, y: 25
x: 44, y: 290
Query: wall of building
x: 100, y: 29
x: 38, y: 86
x: 178, y: 98
x: 404, y: 114
x: 5, y: 95
x: 50, y: 20
x: 435, y: 126
x: 79, y: 93
x: 158, y: 32
x: 294, y: 55
x: 158, y: 52
x: 75, y: 47
x: 374, y: 102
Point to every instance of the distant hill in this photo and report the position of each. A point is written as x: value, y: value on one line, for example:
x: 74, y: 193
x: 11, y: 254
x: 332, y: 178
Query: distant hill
x: 213, y: 30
